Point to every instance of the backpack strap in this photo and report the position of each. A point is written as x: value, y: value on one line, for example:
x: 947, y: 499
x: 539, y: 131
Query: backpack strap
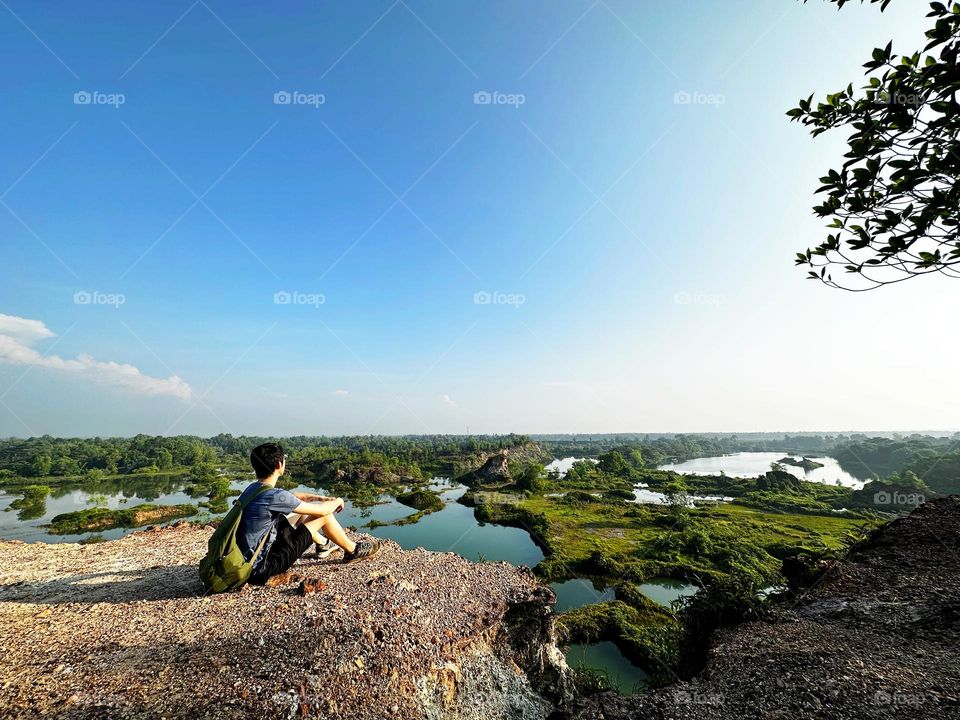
x: 243, y: 505
x: 256, y: 553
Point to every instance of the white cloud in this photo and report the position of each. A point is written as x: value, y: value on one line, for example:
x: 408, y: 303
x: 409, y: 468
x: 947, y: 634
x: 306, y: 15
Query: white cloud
x: 340, y: 393
x: 448, y: 401
x: 17, y: 335
x: 29, y: 331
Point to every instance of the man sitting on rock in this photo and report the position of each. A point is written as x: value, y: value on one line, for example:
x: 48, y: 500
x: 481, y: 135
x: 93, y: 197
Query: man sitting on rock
x: 291, y: 522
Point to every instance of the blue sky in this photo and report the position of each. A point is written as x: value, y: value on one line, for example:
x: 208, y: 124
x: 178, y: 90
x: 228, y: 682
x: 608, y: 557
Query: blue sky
x: 604, y: 246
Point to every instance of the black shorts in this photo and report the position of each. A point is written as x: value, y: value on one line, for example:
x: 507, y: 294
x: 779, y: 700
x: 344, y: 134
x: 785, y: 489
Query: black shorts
x: 291, y: 543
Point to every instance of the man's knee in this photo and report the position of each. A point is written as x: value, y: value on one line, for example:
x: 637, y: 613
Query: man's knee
x: 318, y: 523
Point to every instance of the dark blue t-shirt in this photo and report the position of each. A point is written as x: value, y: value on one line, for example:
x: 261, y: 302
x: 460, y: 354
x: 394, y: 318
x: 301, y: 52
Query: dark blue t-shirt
x: 260, y: 517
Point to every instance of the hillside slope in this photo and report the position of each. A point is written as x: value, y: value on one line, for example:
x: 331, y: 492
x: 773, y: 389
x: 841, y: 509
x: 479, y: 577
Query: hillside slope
x: 877, y: 637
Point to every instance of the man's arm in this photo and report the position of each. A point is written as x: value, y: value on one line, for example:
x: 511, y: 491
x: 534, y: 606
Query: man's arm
x: 311, y: 497
x: 320, y: 509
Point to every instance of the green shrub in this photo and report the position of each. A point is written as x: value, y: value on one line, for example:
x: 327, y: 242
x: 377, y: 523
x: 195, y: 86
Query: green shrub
x: 421, y: 500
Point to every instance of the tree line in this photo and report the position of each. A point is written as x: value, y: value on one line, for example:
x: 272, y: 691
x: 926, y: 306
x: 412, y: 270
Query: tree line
x: 48, y: 456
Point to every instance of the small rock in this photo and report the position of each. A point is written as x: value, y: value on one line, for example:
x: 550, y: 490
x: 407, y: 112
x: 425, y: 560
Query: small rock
x: 282, y: 579
x: 311, y: 586
x: 379, y: 575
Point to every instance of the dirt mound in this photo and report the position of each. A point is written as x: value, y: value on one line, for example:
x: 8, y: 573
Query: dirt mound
x: 120, y: 630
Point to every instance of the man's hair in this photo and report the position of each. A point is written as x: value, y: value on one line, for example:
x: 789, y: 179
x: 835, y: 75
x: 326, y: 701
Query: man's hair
x: 265, y: 459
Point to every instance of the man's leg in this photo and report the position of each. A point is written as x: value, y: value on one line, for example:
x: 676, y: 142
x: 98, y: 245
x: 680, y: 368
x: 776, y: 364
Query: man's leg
x: 328, y: 525
x: 297, y: 519
x: 325, y: 548
x: 290, y: 544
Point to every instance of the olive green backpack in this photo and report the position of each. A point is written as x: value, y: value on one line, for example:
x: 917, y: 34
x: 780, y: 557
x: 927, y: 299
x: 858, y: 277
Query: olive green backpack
x: 224, y: 568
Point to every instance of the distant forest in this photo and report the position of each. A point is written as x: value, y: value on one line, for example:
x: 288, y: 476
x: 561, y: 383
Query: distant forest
x: 933, y: 458
x: 48, y: 456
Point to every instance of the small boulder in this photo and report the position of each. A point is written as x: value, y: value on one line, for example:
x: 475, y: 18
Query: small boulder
x: 310, y: 586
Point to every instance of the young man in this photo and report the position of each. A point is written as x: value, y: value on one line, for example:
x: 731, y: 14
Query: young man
x: 291, y: 522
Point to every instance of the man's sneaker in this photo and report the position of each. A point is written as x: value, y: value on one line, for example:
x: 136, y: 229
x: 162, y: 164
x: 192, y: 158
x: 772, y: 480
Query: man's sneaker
x: 325, y: 550
x: 365, y: 549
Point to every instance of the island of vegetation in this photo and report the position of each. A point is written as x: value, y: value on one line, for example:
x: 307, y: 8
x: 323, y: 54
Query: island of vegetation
x: 95, y: 519
x: 804, y: 462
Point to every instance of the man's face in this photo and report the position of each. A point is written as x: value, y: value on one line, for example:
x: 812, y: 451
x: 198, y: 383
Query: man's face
x: 283, y: 465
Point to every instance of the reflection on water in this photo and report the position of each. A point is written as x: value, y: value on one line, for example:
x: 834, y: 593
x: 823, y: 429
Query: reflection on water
x: 608, y: 661
x: 666, y: 591
x: 579, y: 592
x: 113, y: 494
x: 643, y: 496
x: 454, y: 529
x: 562, y: 465
x: 752, y: 464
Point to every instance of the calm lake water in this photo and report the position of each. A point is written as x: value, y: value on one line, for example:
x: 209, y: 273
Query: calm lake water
x: 605, y: 658
x: 452, y: 529
x: 751, y: 464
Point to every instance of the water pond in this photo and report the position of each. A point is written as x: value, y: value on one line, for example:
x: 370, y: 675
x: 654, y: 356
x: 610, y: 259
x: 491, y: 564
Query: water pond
x: 666, y: 591
x: 752, y: 464
x: 579, y: 592
x: 606, y: 659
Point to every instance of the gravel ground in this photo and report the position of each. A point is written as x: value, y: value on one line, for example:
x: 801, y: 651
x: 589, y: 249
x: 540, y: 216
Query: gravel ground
x: 878, y: 637
x: 120, y: 630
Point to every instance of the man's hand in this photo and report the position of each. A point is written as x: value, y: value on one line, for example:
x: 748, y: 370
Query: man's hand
x: 325, y: 507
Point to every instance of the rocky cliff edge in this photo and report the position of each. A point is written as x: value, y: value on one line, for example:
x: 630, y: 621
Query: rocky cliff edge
x: 121, y: 629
